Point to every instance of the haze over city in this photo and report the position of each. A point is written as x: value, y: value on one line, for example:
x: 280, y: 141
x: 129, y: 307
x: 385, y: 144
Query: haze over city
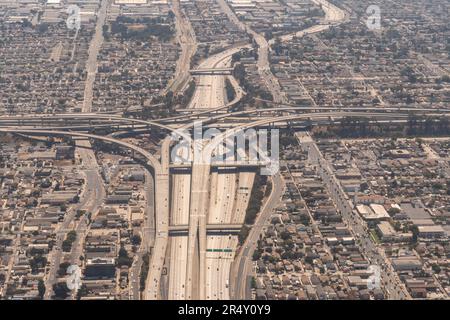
x: 224, y: 150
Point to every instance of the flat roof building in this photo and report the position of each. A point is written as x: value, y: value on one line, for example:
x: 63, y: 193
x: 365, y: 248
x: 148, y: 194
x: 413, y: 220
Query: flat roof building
x: 431, y: 232
x: 386, y: 231
x: 406, y: 263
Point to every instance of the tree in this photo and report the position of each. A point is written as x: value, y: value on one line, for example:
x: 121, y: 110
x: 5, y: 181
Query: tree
x: 393, y: 210
x: 79, y: 213
x: 231, y: 94
x: 105, y: 30
x: 66, y: 246
x: 82, y: 292
x: 243, y: 234
x: 253, y: 283
x: 136, y: 239
x: 239, y: 73
x: 268, y: 35
x: 415, y: 232
x: 397, y: 226
x: 63, y: 268
x: 43, y: 28
x: 256, y: 255
x: 67, y: 243
x: 144, y: 271
x: 285, y: 235
x: 51, y: 244
x: 436, y: 268
x: 124, y: 259
x: 60, y: 290
x: 256, y: 198
x: 445, y: 78
x: 37, y: 262
x: 41, y: 289
x: 26, y: 23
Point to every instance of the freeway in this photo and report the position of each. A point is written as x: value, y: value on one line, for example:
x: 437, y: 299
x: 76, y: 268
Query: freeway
x: 41, y: 120
x: 239, y: 93
x: 209, y: 91
x: 93, y: 120
x: 190, y: 196
x: 212, y: 201
x: 154, y: 289
x: 333, y: 16
x: 197, y: 231
x: 152, y: 284
x: 157, y: 259
x: 201, y: 198
x: 291, y: 109
x: 89, y: 121
x: 209, y: 149
x: 263, y: 63
x: 179, y: 216
x: 229, y: 195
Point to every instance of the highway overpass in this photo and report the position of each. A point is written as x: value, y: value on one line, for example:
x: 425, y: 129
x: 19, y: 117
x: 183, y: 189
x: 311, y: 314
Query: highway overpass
x: 211, y: 71
x: 210, y: 228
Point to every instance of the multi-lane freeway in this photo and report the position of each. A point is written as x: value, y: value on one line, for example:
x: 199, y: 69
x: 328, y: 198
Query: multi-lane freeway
x: 188, y: 275
x: 263, y: 54
x: 333, y: 16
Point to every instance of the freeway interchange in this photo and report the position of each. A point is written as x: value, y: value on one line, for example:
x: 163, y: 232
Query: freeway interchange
x: 202, y: 195
x: 197, y: 198
x: 197, y: 263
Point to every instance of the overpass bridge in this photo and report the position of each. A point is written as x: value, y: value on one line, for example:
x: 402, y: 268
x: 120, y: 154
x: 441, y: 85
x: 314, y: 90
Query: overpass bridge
x: 233, y: 119
x: 211, y: 71
x: 224, y: 164
x: 210, y: 229
x: 90, y: 120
